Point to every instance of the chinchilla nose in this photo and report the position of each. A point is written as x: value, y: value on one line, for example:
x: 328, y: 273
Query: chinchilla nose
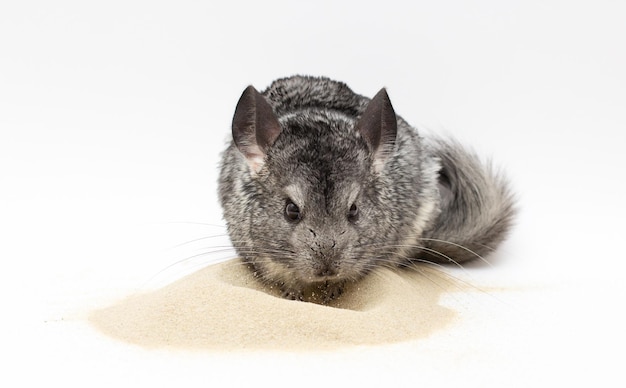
x: 326, y: 255
x: 326, y: 265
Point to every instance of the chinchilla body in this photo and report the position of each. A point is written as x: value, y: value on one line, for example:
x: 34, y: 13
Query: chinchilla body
x: 321, y: 186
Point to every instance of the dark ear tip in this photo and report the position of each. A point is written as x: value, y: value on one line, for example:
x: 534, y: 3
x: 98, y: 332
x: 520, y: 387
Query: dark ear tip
x: 250, y: 91
x: 382, y: 94
x: 382, y: 98
x: 249, y: 94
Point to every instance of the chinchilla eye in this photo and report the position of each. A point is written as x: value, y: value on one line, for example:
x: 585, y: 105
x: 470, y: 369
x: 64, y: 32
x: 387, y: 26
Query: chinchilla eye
x: 353, y: 213
x: 292, y: 212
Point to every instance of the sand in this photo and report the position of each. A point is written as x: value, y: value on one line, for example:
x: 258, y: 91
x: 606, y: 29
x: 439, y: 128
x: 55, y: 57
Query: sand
x: 223, y: 307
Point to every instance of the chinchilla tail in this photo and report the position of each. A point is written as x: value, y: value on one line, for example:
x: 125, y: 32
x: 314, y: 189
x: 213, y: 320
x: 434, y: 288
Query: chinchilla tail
x: 477, y: 207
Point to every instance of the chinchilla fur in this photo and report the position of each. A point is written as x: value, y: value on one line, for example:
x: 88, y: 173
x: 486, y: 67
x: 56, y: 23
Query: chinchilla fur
x: 321, y: 186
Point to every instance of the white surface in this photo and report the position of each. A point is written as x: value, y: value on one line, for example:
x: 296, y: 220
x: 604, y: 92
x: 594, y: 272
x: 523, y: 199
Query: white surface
x: 112, y: 115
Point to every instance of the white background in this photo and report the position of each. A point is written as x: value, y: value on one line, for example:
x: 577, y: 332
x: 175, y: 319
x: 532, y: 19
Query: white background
x: 113, y: 114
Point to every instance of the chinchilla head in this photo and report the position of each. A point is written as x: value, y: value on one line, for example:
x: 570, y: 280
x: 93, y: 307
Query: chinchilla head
x: 306, y: 195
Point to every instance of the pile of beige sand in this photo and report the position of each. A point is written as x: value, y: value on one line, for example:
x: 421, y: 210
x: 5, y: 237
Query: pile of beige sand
x: 223, y: 307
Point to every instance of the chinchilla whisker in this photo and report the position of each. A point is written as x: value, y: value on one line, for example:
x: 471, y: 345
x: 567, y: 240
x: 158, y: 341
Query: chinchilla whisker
x: 433, y: 251
x: 409, y: 263
x: 198, y: 239
x: 196, y: 223
x: 416, y: 265
x: 481, y: 258
x: 186, y: 259
x: 448, y: 258
x: 205, y: 253
x: 441, y: 275
x: 264, y: 251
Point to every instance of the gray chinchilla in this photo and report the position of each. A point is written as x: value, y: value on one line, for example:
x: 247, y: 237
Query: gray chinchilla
x: 321, y: 186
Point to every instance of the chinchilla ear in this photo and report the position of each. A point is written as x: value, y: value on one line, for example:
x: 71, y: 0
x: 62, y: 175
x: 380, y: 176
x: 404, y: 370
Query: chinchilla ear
x: 255, y: 127
x: 378, y: 126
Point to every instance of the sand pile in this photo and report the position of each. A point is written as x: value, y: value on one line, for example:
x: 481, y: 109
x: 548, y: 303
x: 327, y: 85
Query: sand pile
x: 223, y: 307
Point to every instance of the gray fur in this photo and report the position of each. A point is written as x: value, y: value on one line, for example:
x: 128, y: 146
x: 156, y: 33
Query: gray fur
x: 421, y: 199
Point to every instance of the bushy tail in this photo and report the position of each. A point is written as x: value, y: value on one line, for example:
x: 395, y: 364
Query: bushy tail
x: 477, y: 207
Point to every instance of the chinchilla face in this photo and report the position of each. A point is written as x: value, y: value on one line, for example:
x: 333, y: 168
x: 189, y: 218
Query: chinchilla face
x: 317, y: 199
x: 302, y: 192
